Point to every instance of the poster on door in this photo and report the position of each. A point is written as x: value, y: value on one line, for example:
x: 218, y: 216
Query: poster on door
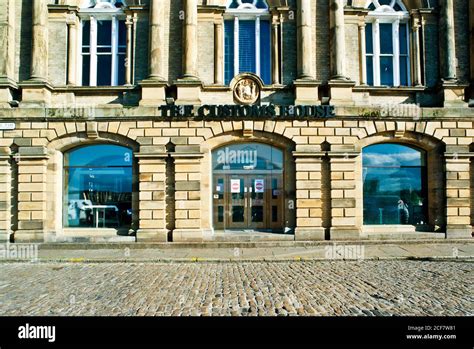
x: 259, y: 185
x: 235, y: 186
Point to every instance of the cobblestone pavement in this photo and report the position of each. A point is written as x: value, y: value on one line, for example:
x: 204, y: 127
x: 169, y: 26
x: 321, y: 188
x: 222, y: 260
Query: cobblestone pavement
x: 286, y: 288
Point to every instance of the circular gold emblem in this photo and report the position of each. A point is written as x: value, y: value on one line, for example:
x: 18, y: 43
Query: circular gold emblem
x: 247, y: 91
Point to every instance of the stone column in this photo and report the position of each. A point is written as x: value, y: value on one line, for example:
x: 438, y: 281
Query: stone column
x: 154, y: 88
x: 188, y: 209
x: 72, y: 49
x: 32, y: 194
x: 344, y: 197
x: 338, y: 41
x: 458, y: 195
x: 305, y: 40
x: 417, y: 52
x: 36, y: 92
x: 363, y: 63
x: 157, y: 40
x: 340, y: 86
x: 128, y: 59
x: 190, y: 40
x: 5, y: 195
x: 276, y: 54
x: 449, y: 39
x: 39, y: 51
x: 309, y: 212
x: 218, y: 52
x: 7, y: 53
x: 152, y: 186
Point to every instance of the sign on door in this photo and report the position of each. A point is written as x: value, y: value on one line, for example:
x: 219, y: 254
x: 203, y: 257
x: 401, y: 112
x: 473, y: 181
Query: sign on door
x: 259, y: 185
x: 235, y: 186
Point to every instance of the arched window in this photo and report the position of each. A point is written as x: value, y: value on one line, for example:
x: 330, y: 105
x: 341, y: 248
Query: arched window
x: 98, y: 187
x: 247, y: 39
x: 394, y: 178
x: 387, y: 43
x: 103, y: 43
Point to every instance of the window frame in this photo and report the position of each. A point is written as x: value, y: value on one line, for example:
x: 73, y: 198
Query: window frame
x: 106, y: 12
x: 247, y: 12
x: 385, y: 14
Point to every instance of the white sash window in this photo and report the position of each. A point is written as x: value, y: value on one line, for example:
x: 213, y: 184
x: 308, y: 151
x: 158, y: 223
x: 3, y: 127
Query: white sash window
x: 387, y: 44
x: 247, y: 39
x: 102, y: 43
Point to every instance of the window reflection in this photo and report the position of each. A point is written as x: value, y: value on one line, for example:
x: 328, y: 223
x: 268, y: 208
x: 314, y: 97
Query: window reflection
x: 98, y: 187
x: 394, y: 185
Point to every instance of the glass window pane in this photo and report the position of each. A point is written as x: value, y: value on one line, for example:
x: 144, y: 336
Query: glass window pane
x: 386, y: 71
x: 99, y: 155
x: 403, y: 39
x: 121, y: 70
x: 98, y: 196
x: 247, y: 156
x: 392, y: 155
x: 86, y: 69
x: 104, y: 33
x: 247, y: 47
x: 370, y: 70
x: 265, y: 52
x: 104, y: 70
x: 386, y: 38
x: 404, y: 70
x: 369, y: 43
x: 122, y: 34
x: 229, y: 51
x: 394, y: 179
x: 385, y: 2
x: 86, y: 33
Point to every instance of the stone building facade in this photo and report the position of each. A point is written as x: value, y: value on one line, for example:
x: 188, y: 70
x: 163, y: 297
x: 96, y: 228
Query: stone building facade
x: 214, y: 120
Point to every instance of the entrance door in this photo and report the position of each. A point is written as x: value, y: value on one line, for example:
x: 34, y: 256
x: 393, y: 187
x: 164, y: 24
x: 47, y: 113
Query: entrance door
x: 248, y: 191
x: 248, y: 202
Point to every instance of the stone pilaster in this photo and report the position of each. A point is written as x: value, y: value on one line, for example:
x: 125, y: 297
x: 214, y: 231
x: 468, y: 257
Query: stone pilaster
x: 219, y: 52
x: 154, y: 88
x: 129, y: 55
x: 309, y: 210
x: 344, y: 197
x: 152, y: 196
x: 72, y: 24
x: 340, y: 85
x: 306, y: 88
x: 32, y: 193
x: 458, y: 195
x: 37, y: 92
x: 188, y: 211
x: 471, y: 33
x: 5, y: 195
x: 362, y: 49
x: 416, y: 25
x: 276, y: 54
x: 7, y: 53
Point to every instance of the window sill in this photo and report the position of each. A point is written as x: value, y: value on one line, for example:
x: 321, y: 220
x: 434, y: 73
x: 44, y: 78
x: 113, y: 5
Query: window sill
x: 389, y: 89
x: 95, y: 89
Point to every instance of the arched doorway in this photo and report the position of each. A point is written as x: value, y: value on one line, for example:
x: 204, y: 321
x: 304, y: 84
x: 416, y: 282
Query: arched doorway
x: 248, y: 187
x: 394, y: 185
x: 98, y: 182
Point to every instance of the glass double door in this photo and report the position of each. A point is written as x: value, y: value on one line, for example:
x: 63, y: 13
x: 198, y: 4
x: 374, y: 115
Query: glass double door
x: 248, y: 202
